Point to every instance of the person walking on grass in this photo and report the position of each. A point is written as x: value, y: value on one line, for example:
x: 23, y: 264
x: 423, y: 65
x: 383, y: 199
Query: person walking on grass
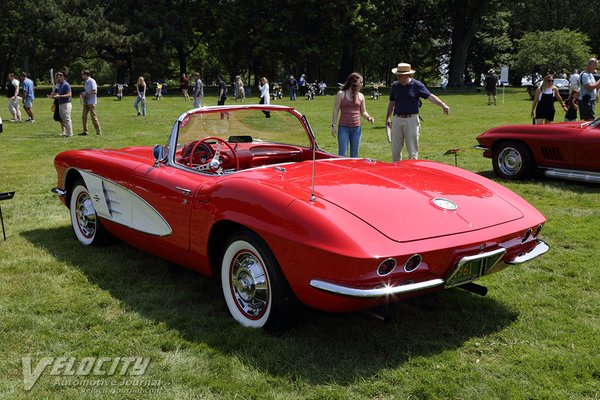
x: 404, y: 103
x: 14, y: 98
x: 542, y: 108
x: 350, y: 104
x: 28, y: 95
x: 63, y: 95
x: 89, y: 98
x: 141, y: 97
x: 198, y: 90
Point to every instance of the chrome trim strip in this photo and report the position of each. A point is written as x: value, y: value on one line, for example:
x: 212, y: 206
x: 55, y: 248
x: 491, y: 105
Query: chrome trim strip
x: 377, y: 292
x: 573, y: 175
x: 59, y: 192
x: 537, y: 251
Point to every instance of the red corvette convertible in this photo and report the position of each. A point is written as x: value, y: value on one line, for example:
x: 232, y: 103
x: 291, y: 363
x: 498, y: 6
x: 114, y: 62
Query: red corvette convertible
x: 254, y: 202
x: 564, y: 150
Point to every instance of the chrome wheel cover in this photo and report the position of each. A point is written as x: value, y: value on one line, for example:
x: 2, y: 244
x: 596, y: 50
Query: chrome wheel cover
x: 249, y: 285
x: 510, y: 161
x: 86, y: 215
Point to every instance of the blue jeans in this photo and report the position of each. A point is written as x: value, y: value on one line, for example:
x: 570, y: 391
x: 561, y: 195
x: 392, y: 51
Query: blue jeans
x: 136, y: 104
x: 349, y: 135
x: 292, y: 93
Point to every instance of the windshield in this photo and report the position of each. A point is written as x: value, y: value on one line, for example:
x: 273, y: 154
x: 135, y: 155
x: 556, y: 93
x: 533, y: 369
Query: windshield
x: 244, y: 125
x: 220, y: 140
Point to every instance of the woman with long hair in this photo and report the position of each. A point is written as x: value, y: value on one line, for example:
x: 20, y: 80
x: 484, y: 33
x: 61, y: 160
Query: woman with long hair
x: 141, y: 96
x: 350, y: 104
x: 542, y: 108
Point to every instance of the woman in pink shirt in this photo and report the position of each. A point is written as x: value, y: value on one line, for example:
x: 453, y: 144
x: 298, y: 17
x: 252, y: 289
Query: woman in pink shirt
x: 350, y: 104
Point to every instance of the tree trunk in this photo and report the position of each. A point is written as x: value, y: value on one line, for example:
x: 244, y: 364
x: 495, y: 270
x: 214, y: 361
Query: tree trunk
x: 347, y: 64
x: 466, y: 15
x: 181, y: 56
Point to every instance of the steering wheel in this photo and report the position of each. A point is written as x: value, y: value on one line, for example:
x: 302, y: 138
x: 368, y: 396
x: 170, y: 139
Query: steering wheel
x: 214, y: 165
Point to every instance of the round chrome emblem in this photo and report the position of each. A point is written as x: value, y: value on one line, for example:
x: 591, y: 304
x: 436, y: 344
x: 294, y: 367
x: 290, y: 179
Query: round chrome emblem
x: 444, y: 204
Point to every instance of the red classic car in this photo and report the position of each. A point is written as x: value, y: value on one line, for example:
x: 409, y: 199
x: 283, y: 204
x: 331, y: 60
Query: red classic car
x: 254, y: 202
x: 564, y: 150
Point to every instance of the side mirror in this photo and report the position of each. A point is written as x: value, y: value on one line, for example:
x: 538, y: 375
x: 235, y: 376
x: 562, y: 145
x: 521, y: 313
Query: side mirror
x: 159, y: 154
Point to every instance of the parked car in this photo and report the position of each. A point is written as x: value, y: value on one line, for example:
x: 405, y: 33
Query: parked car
x: 561, y: 84
x: 255, y: 202
x: 563, y: 87
x: 562, y: 150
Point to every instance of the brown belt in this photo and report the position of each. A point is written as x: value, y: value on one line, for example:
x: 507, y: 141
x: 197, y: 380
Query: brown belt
x: 405, y: 115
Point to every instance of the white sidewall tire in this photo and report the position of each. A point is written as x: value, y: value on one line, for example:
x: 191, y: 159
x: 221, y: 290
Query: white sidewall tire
x: 78, y: 191
x: 234, y: 249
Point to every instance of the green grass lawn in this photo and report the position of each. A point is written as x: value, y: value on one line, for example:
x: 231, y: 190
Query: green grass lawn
x: 536, y: 335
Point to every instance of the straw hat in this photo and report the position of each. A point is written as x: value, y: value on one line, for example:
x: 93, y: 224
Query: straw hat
x: 403, y: 69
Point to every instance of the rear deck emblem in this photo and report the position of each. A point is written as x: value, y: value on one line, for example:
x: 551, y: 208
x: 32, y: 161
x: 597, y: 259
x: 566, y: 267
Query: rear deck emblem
x: 444, y: 204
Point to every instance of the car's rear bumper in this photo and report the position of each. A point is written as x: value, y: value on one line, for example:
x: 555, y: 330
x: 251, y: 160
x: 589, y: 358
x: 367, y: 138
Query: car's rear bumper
x: 386, y: 291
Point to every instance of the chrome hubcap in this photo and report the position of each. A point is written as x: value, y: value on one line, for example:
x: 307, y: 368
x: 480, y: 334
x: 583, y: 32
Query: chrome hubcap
x: 249, y: 285
x: 510, y: 161
x: 86, y: 215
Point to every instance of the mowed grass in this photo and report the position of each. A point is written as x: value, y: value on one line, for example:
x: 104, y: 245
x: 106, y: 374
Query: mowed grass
x: 536, y: 335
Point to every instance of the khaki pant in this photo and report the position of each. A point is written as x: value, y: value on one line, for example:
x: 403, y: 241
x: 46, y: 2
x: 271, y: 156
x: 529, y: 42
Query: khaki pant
x: 91, y: 108
x: 65, y: 114
x: 405, y: 130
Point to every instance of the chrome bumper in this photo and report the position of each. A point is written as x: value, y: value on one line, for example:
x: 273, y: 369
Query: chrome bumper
x: 537, y: 251
x: 377, y: 292
x: 480, y: 147
x: 384, y: 291
x: 59, y: 192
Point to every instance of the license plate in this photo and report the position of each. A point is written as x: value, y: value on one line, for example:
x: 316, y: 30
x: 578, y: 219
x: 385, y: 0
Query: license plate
x: 471, y: 268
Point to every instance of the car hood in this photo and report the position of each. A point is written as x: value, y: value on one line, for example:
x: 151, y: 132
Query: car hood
x: 555, y: 128
x: 399, y: 199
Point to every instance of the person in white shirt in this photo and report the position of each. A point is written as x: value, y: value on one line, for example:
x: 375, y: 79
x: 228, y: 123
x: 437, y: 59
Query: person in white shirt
x: 89, y: 98
x: 265, y: 97
x: 574, y: 81
x: 14, y: 98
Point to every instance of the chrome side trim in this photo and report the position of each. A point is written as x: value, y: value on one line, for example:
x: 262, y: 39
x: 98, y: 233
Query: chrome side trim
x: 377, y: 292
x: 59, y: 192
x: 573, y: 175
x: 537, y: 251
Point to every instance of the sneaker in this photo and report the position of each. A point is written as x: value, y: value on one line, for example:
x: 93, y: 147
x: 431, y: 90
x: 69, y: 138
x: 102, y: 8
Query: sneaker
x: 98, y: 133
x: 138, y: 114
x: 63, y: 135
x: 31, y: 121
x: 83, y: 134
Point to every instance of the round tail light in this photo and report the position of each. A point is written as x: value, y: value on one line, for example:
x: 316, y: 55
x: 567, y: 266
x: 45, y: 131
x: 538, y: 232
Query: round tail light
x: 526, y: 235
x: 386, y: 267
x: 412, y: 263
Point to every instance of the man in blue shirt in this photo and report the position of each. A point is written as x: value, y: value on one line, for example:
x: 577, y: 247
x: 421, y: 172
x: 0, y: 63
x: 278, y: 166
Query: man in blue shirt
x: 28, y: 96
x: 405, y: 97
x: 63, y: 94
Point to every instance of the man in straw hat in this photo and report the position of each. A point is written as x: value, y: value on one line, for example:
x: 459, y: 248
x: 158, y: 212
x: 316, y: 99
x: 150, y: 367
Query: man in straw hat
x: 405, y: 97
x: 489, y: 84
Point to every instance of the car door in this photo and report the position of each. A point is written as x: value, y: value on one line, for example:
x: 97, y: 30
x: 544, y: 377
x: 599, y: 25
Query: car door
x: 587, y: 149
x: 170, y: 191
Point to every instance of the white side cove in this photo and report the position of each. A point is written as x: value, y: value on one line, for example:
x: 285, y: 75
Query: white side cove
x: 120, y: 205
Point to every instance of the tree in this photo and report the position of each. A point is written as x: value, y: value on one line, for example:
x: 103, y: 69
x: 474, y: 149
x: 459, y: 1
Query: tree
x: 492, y: 46
x: 551, y: 51
x: 465, y: 18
